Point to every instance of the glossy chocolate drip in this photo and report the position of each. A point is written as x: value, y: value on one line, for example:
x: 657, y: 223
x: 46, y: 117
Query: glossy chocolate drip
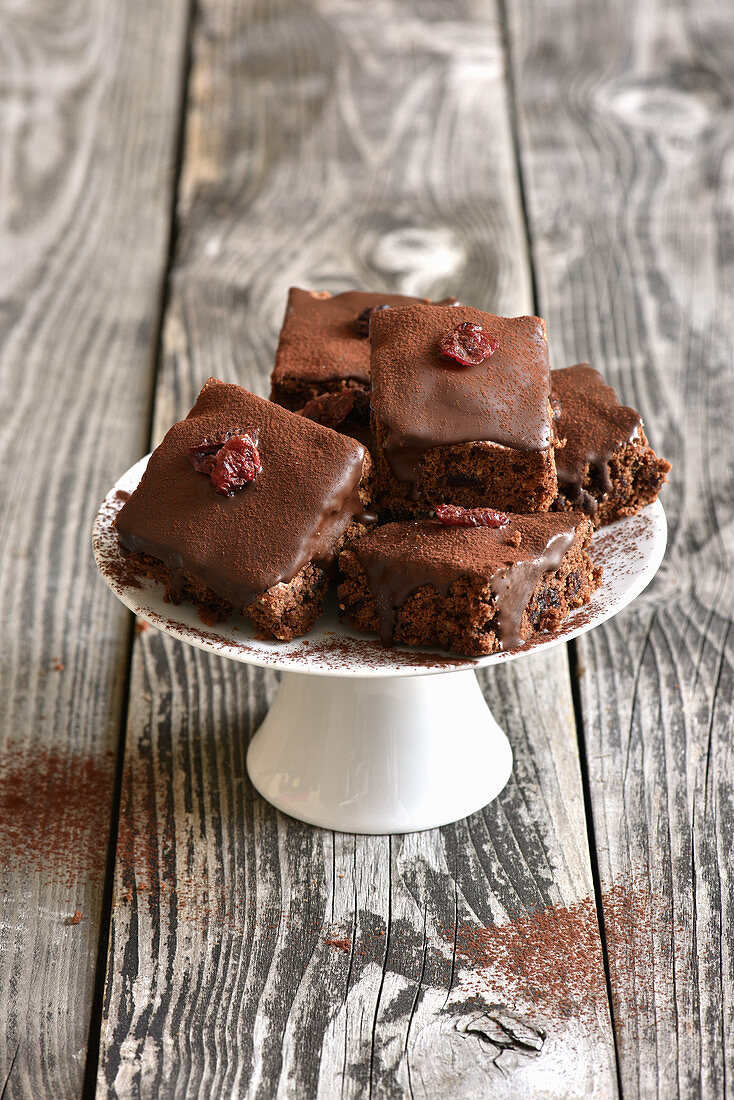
x: 400, y: 558
x: 594, y: 424
x: 514, y: 586
x: 294, y: 511
x: 405, y: 463
x: 423, y: 400
x: 318, y: 341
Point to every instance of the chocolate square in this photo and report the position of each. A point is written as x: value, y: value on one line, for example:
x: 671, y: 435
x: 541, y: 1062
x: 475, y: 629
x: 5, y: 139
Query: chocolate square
x: 322, y: 347
x: 473, y: 435
x: 293, y: 513
x: 472, y: 590
x: 605, y: 464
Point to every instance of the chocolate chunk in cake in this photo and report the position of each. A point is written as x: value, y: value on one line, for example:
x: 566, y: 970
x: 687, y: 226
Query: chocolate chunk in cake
x: 324, y: 343
x: 471, y: 590
x: 606, y: 466
x: 244, y: 506
x: 461, y: 411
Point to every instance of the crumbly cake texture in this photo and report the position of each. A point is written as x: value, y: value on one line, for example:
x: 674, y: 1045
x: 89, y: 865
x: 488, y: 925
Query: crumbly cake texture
x: 472, y: 591
x: 320, y: 349
x: 606, y: 465
x: 268, y: 549
x: 478, y: 435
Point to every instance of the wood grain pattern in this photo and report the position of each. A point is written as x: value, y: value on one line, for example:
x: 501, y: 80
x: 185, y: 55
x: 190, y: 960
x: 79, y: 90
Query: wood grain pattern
x: 88, y: 126
x: 627, y: 150
x: 251, y: 955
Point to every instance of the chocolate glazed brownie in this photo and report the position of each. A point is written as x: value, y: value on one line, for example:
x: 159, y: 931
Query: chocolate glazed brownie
x: 460, y: 411
x: 245, y: 506
x: 324, y: 343
x: 471, y: 590
x: 606, y: 465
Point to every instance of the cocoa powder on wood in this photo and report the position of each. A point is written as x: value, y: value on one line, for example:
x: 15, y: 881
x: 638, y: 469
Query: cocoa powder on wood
x: 55, y: 810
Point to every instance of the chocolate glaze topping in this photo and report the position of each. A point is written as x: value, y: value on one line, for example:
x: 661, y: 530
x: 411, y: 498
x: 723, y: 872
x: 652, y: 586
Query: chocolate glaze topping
x: 400, y: 557
x: 318, y: 340
x: 425, y: 400
x: 594, y: 424
x: 292, y: 513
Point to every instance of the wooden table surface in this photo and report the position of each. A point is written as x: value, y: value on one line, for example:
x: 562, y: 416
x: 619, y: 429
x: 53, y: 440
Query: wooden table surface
x: 167, y: 171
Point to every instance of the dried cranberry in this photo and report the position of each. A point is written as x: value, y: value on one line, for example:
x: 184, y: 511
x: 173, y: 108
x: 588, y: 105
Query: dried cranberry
x: 452, y: 515
x: 546, y: 599
x: 203, y: 455
x: 237, y: 463
x: 362, y: 323
x: 468, y: 344
x: 331, y: 409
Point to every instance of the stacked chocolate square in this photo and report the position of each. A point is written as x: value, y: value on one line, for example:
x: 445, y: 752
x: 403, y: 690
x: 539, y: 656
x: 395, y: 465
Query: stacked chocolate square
x: 425, y: 450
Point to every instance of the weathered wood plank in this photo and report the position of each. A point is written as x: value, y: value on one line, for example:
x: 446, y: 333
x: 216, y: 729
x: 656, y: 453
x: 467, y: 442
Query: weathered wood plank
x: 627, y: 147
x: 88, y: 120
x: 251, y: 955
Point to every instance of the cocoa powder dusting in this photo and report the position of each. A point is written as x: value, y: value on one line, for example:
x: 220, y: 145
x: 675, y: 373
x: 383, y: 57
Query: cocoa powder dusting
x: 553, y: 955
x: 54, y: 811
x: 123, y: 571
x: 340, y: 944
x: 548, y: 961
x: 552, y: 958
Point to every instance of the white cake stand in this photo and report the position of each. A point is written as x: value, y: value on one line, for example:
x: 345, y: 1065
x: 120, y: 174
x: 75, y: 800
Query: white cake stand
x: 370, y: 740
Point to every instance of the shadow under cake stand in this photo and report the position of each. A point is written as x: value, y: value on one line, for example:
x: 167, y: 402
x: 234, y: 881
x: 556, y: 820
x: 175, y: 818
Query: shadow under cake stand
x: 363, y: 739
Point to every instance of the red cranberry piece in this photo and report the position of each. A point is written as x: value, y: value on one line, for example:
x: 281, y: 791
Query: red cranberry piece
x: 362, y: 323
x: 203, y: 455
x: 452, y: 515
x: 331, y: 409
x: 237, y: 463
x: 468, y: 344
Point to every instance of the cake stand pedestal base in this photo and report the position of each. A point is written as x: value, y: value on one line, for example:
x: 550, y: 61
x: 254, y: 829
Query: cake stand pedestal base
x: 372, y: 754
